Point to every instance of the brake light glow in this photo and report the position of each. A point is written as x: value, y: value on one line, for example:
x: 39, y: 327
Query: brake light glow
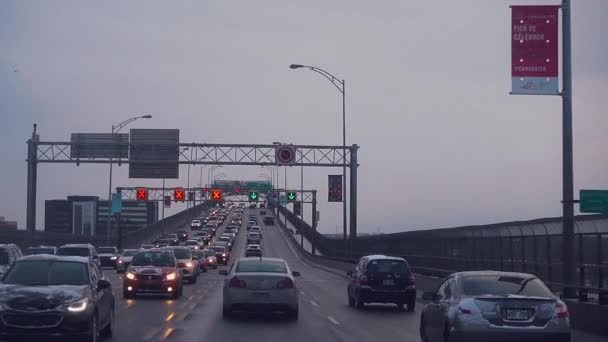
x: 285, y: 283
x: 561, y: 310
x: 237, y: 283
x: 363, y: 279
x: 411, y: 280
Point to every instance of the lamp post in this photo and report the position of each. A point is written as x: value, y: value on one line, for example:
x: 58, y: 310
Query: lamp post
x: 341, y: 86
x: 116, y: 129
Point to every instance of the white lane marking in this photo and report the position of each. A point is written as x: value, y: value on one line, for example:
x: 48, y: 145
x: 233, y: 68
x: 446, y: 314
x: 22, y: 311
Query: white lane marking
x: 191, y: 298
x: 333, y: 320
x: 314, y: 303
x: 151, y: 333
x: 192, y: 306
x: 302, y: 293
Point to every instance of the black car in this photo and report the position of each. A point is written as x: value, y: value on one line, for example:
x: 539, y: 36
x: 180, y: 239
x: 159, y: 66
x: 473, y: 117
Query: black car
x: 269, y: 221
x: 222, y: 254
x: 182, y: 235
x: 108, y: 256
x: 41, y: 250
x: 174, y: 239
x: 63, y: 296
x: 382, y: 279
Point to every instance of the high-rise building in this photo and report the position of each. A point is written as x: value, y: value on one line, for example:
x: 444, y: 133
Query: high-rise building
x: 4, y: 224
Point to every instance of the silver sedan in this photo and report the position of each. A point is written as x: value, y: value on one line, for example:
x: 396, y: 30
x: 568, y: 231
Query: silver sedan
x: 493, y: 306
x: 260, y: 285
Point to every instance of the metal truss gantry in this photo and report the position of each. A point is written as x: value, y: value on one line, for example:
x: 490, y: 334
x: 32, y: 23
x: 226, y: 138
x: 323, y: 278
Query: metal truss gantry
x: 199, y: 154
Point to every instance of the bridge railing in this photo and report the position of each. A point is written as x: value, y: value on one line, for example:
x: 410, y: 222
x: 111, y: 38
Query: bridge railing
x: 528, y: 246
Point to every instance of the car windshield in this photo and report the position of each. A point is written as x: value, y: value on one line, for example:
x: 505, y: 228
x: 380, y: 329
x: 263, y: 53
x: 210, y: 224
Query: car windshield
x: 171, y: 236
x: 182, y: 253
x: 73, y: 251
x: 38, y: 250
x: 388, y: 266
x: 504, y: 286
x: 45, y: 272
x: 261, y: 266
x: 106, y: 250
x: 209, y: 253
x: 129, y: 253
x: 160, y: 259
x: 218, y: 249
x: 3, y: 257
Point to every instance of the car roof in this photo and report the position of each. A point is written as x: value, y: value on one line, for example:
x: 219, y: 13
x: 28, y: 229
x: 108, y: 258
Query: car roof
x: 77, y: 245
x: 42, y: 247
x: 48, y: 257
x: 263, y: 259
x: 489, y: 273
x: 178, y: 247
x: 253, y: 246
x: 383, y: 257
x: 131, y: 249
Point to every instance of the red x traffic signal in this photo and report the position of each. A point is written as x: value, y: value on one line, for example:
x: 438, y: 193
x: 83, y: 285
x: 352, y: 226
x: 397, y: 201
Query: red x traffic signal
x: 216, y: 195
x: 142, y: 194
x: 178, y: 195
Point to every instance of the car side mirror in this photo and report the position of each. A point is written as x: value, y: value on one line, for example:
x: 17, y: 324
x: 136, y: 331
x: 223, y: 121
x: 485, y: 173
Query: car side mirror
x: 95, y: 256
x: 350, y: 273
x: 295, y: 274
x: 428, y: 296
x: 181, y: 264
x: 223, y: 272
x: 103, y: 284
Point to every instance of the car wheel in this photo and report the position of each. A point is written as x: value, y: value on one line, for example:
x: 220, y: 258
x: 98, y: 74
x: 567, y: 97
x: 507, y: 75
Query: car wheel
x: 175, y: 294
x: 293, y: 314
x: 401, y: 306
x: 127, y: 295
x: 423, y: 336
x: 226, y: 312
x: 359, y: 303
x: 411, y: 305
x: 205, y: 270
x: 351, y: 300
x: 108, y: 329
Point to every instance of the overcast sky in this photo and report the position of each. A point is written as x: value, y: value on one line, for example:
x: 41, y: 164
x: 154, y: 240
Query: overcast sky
x: 442, y: 142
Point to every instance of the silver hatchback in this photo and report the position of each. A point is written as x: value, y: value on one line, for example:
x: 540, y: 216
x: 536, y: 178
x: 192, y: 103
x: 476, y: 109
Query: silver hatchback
x: 493, y: 306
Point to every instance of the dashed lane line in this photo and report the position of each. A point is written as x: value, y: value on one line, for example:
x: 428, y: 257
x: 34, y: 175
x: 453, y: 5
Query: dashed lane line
x: 333, y: 320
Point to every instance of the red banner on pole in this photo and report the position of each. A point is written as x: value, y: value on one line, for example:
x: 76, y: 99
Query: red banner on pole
x: 534, y: 50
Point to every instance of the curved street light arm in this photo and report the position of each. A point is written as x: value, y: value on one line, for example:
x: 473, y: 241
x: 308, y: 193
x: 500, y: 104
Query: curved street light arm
x: 333, y: 79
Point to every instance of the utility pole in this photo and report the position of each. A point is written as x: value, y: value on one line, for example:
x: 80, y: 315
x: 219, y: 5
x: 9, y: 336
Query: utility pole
x: 569, y: 266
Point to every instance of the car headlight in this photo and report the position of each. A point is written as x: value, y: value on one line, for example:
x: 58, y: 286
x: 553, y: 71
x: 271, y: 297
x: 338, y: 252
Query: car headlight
x: 171, y: 276
x: 113, y: 258
x: 189, y: 264
x: 120, y: 261
x: 130, y: 275
x: 79, y: 305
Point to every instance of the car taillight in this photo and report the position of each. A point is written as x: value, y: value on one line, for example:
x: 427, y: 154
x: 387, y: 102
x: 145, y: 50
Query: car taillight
x: 286, y: 283
x: 561, y: 310
x: 411, y: 280
x: 363, y: 279
x: 237, y: 283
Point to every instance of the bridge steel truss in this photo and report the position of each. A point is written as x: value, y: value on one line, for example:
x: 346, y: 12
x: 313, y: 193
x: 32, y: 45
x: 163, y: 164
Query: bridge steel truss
x: 199, y: 154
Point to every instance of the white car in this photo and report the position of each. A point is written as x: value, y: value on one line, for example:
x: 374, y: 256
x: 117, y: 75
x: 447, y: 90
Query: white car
x: 253, y: 238
x: 253, y: 251
x: 196, y: 224
x: 260, y: 284
x: 256, y: 229
x: 193, y: 244
x: 124, y: 260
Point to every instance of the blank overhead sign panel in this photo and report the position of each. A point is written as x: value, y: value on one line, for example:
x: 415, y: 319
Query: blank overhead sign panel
x: 99, y: 145
x: 154, y: 153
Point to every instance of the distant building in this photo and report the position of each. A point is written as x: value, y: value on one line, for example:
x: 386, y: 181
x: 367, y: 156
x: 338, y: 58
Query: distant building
x: 87, y: 216
x: 4, y: 224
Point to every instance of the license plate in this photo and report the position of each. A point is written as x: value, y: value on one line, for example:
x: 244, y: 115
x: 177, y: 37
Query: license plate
x: 517, y: 315
x: 261, y: 294
x: 388, y: 282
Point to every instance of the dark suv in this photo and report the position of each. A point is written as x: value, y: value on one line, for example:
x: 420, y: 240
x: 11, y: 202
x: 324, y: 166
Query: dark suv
x: 382, y: 279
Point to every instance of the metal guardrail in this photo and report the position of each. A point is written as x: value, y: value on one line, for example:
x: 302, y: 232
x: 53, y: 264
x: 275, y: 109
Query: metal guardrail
x: 530, y: 247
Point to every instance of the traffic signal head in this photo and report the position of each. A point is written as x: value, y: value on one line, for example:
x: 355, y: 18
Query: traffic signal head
x: 179, y: 195
x: 335, y: 188
x: 142, y: 194
x: 253, y: 196
x: 216, y: 195
x: 291, y: 196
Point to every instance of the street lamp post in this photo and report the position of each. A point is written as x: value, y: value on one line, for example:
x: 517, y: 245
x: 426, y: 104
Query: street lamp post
x: 341, y: 86
x: 116, y: 129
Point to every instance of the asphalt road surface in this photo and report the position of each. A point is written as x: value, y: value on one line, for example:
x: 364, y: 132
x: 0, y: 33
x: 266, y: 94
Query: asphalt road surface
x: 324, y: 312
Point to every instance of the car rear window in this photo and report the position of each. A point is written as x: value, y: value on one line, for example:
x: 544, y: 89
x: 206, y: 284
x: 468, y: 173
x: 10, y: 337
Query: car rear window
x: 105, y: 250
x: 33, y: 250
x: 73, y: 251
x: 159, y: 259
x: 182, y: 253
x: 504, y: 286
x: 388, y: 266
x: 189, y: 242
x: 261, y: 266
x: 129, y: 253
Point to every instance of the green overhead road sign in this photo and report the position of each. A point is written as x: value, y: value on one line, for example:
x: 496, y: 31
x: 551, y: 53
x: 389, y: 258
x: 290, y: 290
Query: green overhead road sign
x: 291, y: 196
x: 116, y: 203
x: 594, y: 201
x: 253, y: 196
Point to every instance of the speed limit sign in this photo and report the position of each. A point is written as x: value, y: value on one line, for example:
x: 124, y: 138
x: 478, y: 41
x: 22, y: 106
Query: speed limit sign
x: 285, y: 154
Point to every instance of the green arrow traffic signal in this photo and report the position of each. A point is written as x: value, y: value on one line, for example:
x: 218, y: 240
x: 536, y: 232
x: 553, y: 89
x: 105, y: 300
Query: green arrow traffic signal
x: 291, y: 196
x: 253, y: 195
